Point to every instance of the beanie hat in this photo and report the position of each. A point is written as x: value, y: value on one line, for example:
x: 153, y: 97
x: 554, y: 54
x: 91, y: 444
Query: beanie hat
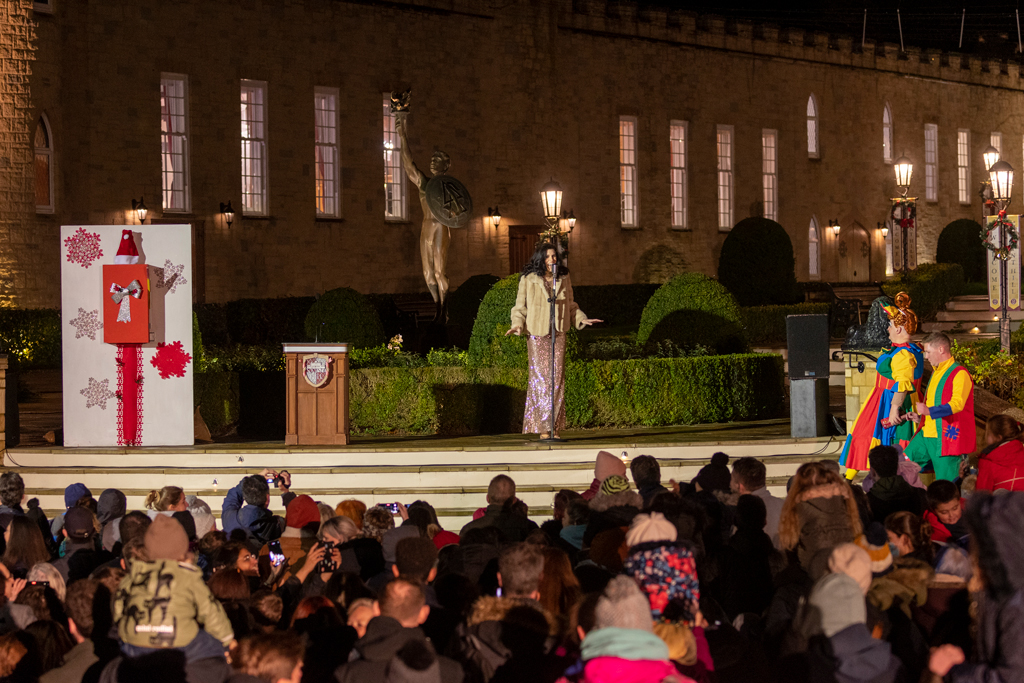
x: 667, y: 573
x: 202, y: 515
x: 716, y: 475
x: 852, y: 560
x: 301, y: 512
x: 840, y: 602
x: 74, y: 493
x: 127, y: 252
x: 184, y: 518
x: 166, y: 539
x: 607, y: 465
x: 615, y: 483
x: 647, y: 528
x: 623, y: 605
x: 78, y: 523
x: 875, y: 542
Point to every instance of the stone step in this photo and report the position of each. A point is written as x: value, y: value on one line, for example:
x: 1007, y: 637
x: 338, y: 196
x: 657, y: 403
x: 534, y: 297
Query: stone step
x: 989, y: 327
x: 975, y: 316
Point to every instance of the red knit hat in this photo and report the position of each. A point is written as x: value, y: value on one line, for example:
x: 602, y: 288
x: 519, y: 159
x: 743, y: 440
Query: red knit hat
x: 301, y: 512
x: 127, y: 252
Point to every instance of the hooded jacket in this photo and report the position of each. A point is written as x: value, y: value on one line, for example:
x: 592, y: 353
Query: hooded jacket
x: 611, y: 512
x: 1001, y: 466
x: 894, y: 494
x: 374, y: 655
x: 110, y: 509
x: 999, y: 648
x: 862, y: 659
x: 822, y: 521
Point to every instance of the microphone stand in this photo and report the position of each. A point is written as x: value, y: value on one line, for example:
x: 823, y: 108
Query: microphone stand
x: 551, y: 300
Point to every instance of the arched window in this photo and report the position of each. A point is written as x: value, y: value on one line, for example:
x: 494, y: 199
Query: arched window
x: 43, y: 142
x: 887, y: 134
x: 813, y: 253
x: 812, y: 127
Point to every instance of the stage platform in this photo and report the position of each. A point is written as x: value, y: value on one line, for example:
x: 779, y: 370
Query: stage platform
x: 450, y: 473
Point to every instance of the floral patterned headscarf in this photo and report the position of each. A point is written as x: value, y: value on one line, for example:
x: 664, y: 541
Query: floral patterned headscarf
x: 667, y: 574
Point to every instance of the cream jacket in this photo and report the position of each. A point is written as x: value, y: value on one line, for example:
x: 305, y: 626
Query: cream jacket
x: 532, y: 312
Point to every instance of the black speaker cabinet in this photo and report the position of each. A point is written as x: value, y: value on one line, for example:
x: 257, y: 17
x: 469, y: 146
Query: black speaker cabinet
x: 807, y: 338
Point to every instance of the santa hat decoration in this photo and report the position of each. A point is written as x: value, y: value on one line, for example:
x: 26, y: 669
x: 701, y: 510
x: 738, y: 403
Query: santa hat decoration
x: 127, y: 253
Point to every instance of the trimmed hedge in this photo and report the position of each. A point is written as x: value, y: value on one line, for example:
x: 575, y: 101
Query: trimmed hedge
x: 960, y: 242
x: 254, y: 321
x: 463, y: 304
x: 31, y: 337
x: 690, y: 310
x: 616, y: 305
x: 343, y: 315
x: 930, y: 286
x: 757, y: 264
x: 767, y: 324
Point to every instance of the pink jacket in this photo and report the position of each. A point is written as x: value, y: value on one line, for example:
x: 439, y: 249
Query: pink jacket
x: 617, y: 670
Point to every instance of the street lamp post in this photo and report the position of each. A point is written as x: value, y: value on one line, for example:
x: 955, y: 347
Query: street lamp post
x: 560, y: 222
x: 904, y: 212
x: 1001, y: 180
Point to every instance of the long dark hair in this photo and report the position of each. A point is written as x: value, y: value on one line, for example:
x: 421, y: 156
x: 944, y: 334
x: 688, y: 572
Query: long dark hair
x: 536, y: 263
x: 26, y: 547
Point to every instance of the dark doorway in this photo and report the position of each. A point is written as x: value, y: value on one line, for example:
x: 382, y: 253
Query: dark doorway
x: 522, y: 240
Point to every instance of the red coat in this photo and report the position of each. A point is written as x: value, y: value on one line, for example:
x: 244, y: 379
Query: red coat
x: 1002, y: 467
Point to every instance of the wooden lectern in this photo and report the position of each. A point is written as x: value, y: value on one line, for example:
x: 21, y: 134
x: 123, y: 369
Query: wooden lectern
x: 317, y: 400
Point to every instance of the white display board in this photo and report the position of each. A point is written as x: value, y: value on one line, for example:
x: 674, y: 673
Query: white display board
x: 91, y: 370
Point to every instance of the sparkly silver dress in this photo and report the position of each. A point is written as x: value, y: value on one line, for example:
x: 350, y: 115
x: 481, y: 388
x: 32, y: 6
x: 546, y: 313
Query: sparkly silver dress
x: 537, y: 416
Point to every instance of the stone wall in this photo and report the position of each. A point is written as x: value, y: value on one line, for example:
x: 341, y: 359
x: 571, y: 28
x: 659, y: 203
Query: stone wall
x: 516, y: 94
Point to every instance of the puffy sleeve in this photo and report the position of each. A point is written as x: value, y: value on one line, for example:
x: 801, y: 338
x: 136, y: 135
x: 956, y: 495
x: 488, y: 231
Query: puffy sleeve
x: 519, y: 310
x: 903, y: 365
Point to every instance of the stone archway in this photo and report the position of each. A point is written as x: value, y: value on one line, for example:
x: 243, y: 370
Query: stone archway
x: 854, y: 251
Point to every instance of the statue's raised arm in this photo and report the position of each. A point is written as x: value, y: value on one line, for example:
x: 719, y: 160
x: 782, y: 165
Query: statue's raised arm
x: 400, y: 105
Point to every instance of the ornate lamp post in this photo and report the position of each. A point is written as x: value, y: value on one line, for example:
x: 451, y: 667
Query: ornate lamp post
x: 904, y: 216
x: 1001, y: 182
x: 560, y: 223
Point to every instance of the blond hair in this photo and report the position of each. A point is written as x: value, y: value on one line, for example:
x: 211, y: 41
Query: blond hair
x: 163, y: 499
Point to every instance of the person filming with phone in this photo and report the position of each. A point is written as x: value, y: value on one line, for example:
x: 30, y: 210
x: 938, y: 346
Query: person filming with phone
x: 246, y: 507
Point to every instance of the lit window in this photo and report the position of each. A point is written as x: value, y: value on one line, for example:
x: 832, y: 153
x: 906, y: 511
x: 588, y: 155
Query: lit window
x: 394, y: 178
x: 174, y: 150
x: 770, y: 173
x: 44, y: 166
x: 45, y: 6
x: 812, y: 128
x: 931, y: 162
x: 325, y: 134
x: 677, y: 142
x: 254, y: 148
x: 725, y: 198
x: 996, y: 140
x: 627, y: 171
x: 813, y: 255
x: 888, y: 248
x: 887, y: 134
x: 963, y: 165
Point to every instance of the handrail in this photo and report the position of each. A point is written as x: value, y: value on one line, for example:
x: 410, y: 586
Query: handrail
x: 838, y: 356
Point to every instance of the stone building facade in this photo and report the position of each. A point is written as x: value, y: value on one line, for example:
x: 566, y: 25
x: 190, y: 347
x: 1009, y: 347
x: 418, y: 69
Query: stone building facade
x: 517, y: 94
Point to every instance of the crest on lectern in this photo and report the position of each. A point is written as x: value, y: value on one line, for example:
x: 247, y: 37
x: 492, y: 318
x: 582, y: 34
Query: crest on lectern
x: 316, y: 368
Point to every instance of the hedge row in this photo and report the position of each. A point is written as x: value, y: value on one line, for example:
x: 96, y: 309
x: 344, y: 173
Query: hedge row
x: 930, y: 286
x: 31, y: 337
x: 767, y: 324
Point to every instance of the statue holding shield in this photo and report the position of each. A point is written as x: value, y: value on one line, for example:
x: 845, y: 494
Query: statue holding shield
x: 445, y: 202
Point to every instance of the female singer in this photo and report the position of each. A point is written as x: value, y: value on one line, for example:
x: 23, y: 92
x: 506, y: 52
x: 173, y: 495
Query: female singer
x: 532, y: 316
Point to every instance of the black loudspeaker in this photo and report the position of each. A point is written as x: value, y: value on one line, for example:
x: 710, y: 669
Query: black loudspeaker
x: 807, y: 338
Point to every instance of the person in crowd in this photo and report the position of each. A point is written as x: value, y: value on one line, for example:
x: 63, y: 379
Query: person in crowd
x: 891, y: 492
x: 530, y: 316
x: 228, y: 585
x: 376, y: 522
x: 72, y: 494
x: 575, y: 521
x: 433, y: 529
x: 44, y: 572
x: 112, y: 506
x: 80, y: 556
x: 614, y: 507
x: 353, y: 509
x: 202, y: 515
x: 605, y: 466
x: 326, y: 511
x: 819, y: 514
x: 12, y: 495
x: 910, y: 537
x: 360, y: 612
x: 52, y: 642
x: 501, y: 494
x: 25, y: 546
x: 749, y: 476
x: 714, y: 476
x: 246, y: 506
x: 945, y: 513
x: 1001, y: 462
x: 997, y: 551
x: 744, y: 583
x: 559, y: 587
x: 908, y: 469
x: 267, y: 610
x: 647, y: 476
x: 301, y: 525
x: 80, y: 605
x: 189, y: 617
x: 553, y: 527
x: 168, y: 500
x: 393, y: 641
x: 617, y: 639
x: 946, y: 413
x: 268, y: 658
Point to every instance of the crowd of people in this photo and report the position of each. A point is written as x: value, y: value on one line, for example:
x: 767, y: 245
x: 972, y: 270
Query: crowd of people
x: 634, y: 580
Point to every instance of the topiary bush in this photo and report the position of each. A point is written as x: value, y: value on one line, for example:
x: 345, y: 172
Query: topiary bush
x: 31, y: 337
x: 463, y: 304
x: 344, y: 315
x: 960, y: 242
x: 198, y: 352
x: 757, y: 264
x: 693, y: 310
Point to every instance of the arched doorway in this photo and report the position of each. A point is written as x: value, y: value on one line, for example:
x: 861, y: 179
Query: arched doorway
x: 854, y: 254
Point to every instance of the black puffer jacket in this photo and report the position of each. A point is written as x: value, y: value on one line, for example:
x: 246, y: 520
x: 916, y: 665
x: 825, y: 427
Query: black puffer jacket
x: 377, y: 652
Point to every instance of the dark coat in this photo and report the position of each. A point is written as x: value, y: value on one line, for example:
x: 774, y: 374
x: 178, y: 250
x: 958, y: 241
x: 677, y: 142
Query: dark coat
x: 376, y: 651
x: 823, y: 523
x: 611, y: 512
x: 259, y: 524
x: 894, y: 494
x: 515, y: 527
x: 862, y: 659
x: 745, y: 581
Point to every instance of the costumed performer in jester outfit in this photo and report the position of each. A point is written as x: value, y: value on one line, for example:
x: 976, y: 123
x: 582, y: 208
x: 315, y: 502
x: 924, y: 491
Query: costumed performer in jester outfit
x: 947, y: 412
x: 897, y: 387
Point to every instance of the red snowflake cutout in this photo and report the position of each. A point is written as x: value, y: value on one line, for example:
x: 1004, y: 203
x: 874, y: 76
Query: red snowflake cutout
x: 170, y: 360
x: 83, y: 247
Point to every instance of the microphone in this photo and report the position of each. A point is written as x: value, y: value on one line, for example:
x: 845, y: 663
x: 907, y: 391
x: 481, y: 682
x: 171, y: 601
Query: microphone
x: 554, y: 269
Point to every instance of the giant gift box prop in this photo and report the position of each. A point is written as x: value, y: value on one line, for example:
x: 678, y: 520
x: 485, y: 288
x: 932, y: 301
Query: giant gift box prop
x: 127, y: 370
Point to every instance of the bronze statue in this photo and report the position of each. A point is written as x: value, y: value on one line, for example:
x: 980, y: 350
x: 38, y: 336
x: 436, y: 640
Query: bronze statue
x: 445, y: 202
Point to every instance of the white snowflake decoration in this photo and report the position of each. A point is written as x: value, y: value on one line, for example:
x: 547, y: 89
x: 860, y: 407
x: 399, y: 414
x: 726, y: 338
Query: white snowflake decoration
x: 97, y: 393
x: 83, y: 247
x: 170, y: 276
x: 87, y: 324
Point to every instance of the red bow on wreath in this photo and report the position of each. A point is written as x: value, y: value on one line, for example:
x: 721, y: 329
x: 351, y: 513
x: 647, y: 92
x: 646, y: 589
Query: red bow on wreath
x: 1001, y: 252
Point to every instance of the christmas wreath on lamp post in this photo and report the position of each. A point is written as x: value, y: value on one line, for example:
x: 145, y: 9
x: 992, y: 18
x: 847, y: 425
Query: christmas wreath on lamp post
x: 1001, y: 175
